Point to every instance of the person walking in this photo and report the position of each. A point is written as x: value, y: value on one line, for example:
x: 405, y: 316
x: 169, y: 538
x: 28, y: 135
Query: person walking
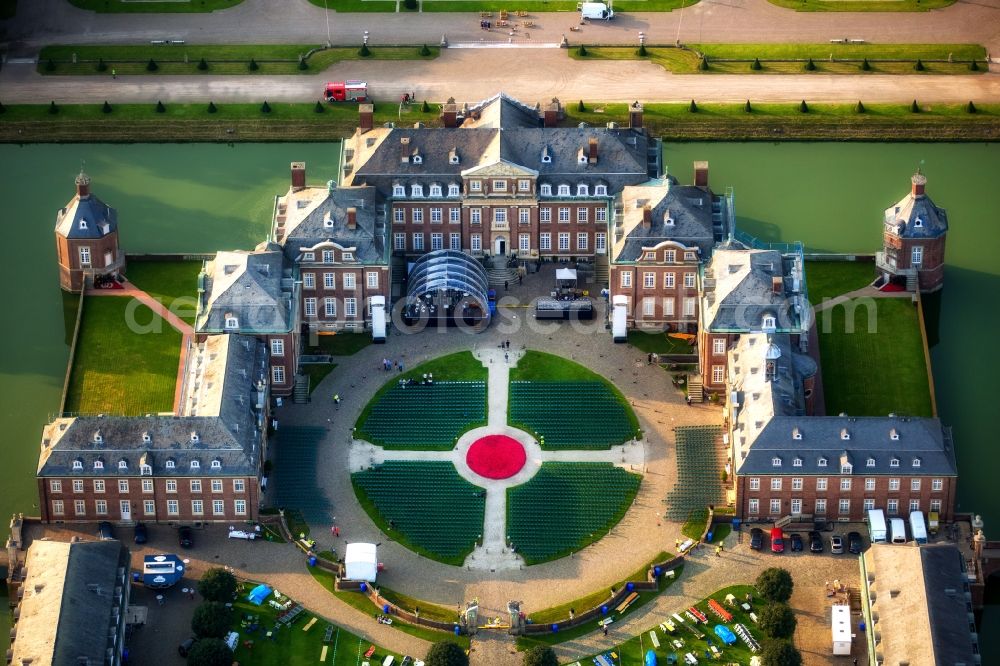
x: 605, y: 630
x: 506, y: 284
x: 718, y: 551
x: 400, y: 365
x: 114, y: 73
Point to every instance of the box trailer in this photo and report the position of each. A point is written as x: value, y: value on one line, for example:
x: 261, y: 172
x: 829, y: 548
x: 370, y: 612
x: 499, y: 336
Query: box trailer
x: 898, y: 530
x: 597, y: 11
x: 619, y: 319
x: 876, y: 526
x: 841, y: 629
x: 378, y: 319
x: 917, y: 526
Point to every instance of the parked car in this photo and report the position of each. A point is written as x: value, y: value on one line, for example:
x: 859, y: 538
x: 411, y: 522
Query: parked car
x: 796, y: 540
x: 184, y: 537
x: 186, y: 646
x: 837, y: 544
x: 141, y: 536
x: 407, y: 661
x: 777, y: 540
x: 105, y: 531
x: 756, y: 538
x: 854, y: 543
x: 815, y: 542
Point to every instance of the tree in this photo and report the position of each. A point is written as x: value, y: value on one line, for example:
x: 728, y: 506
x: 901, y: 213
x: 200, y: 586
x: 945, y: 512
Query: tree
x: 425, y: 107
x: 582, y: 51
x: 212, y: 108
x: 580, y: 107
x: 364, y: 52
x: 974, y: 66
x: 424, y: 51
x: 151, y: 66
x: 693, y: 108
x: 810, y: 66
x: 265, y: 107
x: 642, y: 51
x: 3, y: 109
x: 101, y: 65
x: 919, y: 66
x: 210, y: 620
x: 860, y: 108
x: 748, y: 109
x: 319, y: 107
x: 755, y: 65
x: 303, y: 65
x: 775, y: 583
x: 703, y: 65
x: 210, y: 652
x: 53, y: 109
x: 160, y: 108
x: 253, y: 65
x: 217, y: 585
x: 106, y: 108
x: 446, y: 653
x: 969, y: 108
x: 203, y: 65
x: 780, y: 653
x: 777, y: 620
x: 803, y: 107
x: 865, y: 66
x: 914, y: 107
x: 540, y: 655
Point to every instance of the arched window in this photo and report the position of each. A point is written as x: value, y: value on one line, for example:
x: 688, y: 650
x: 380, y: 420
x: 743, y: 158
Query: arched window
x: 546, y: 190
x: 564, y: 190
x: 417, y: 190
x: 436, y: 190
x: 453, y: 190
x: 398, y: 191
x: 601, y: 190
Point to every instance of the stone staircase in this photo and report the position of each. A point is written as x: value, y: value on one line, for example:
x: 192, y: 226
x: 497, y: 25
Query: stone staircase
x: 912, y: 282
x: 300, y: 392
x: 696, y: 390
x: 602, y: 270
x: 498, y: 272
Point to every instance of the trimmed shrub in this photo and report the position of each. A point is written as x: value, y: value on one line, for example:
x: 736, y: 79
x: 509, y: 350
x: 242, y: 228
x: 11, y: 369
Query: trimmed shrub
x: 974, y: 66
x: 540, y: 655
x: 803, y: 107
x: 303, y: 65
x: 424, y: 51
x: 755, y: 65
x: 106, y: 108
x: 151, y: 66
x: 53, y: 109
x: 253, y: 65
x: 212, y: 108
x: 265, y: 107
x: 319, y: 107
x: 210, y: 620
x: 101, y: 65
x: 914, y: 107
x: 580, y: 106
x: 642, y: 51
x: 425, y: 107
x: 865, y: 67
x: 50, y: 65
x: 160, y: 108
x: 748, y: 109
x: 203, y: 65
x: 693, y: 108
x: 217, y: 585
x: 410, y: 4
x: 364, y: 51
x: 810, y: 66
x: 919, y: 66
x: 703, y: 65
x: 860, y: 108
x: 582, y: 51
x: 969, y: 108
x: 3, y: 109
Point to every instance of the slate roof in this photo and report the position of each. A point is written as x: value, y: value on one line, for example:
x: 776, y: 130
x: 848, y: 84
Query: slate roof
x: 252, y: 286
x: 950, y: 617
x: 323, y: 217
x: 921, y: 439
x: 738, y: 290
x: 688, y: 206
x: 71, y: 593
x: 86, y: 218
x: 501, y: 112
x: 910, y: 209
x: 220, y: 405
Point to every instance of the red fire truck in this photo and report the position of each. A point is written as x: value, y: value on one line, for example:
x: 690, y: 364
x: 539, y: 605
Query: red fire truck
x: 346, y: 91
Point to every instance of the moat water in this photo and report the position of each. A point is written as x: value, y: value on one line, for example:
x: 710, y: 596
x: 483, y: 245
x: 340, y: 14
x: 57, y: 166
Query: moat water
x: 199, y: 198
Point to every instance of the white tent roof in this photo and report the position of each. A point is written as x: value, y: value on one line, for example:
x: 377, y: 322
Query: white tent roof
x: 360, y: 562
x: 565, y: 273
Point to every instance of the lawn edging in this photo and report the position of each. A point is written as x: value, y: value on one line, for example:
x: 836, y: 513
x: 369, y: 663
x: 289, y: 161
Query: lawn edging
x: 72, y: 353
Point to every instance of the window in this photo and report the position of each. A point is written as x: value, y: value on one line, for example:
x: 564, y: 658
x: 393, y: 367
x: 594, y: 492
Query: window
x: 893, y: 484
x: 399, y: 241
x: 475, y: 186
x: 937, y: 485
x: 398, y: 215
x: 796, y: 506
x: 776, y: 483
x: 524, y: 243
x: 398, y: 191
x: 719, y: 346
x: 435, y: 190
x: 670, y: 256
x: 870, y: 462
x: 753, y: 507
x: 310, y: 307
x: 936, y: 505
x: 689, y: 306
x: 147, y: 485
x: 775, y: 462
x: 218, y: 507
x: 869, y: 484
x: 601, y: 214
x: 564, y: 215
x: 454, y: 215
x: 98, y: 485
x: 278, y: 374
x: 689, y: 280
x: 500, y: 216
x: 80, y: 508
x: 775, y: 506
x: 523, y: 215
x: 648, y: 307
x: 436, y: 215
x: 101, y: 507
x: 916, y: 462
x: 845, y: 484
x: 894, y: 462
x: 122, y: 465
x: 58, y: 508
x: 173, y: 507
x: 123, y: 485
x: 869, y: 504
x: 754, y: 483
x: 648, y: 280
x: 563, y: 241
x: 475, y: 215
x: 626, y: 279
x: 416, y: 190
x: 892, y: 507
x: 718, y: 374
x: 797, y: 462
x: 329, y: 280
x: 77, y: 465
x: 98, y: 464
x: 455, y: 241
x: 171, y: 485
x: 277, y: 347
x: 197, y: 507
x: 821, y: 483
x: 797, y: 483
x: 240, y: 507
x: 582, y: 214
x: 309, y: 280
x: 350, y: 307
x: 239, y: 485
x: 499, y: 185
x: 476, y: 241
x: 582, y: 240
x: 564, y: 190
x: 216, y: 485
x: 308, y: 256
x: 85, y: 256
x: 916, y: 255
x: 844, y: 507
x: 55, y: 486
x: 453, y: 191
x: 149, y: 507
x: 330, y: 307
x: 418, y: 241
x: 417, y: 215
x: 327, y: 256
x: 546, y: 190
x: 437, y: 242
x: 821, y: 462
x: 915, y: 485
x: 545, y: 242
x: 196, y: 485
x: 600, y: 190
x: 689, y: 256
x: 582, y: 190
x: 544, y: 215
x: 914, y: 505
x: 668, y: 280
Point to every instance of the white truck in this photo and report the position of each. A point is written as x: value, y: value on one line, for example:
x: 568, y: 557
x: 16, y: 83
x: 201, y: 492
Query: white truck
x: 597, y: 11
x: 876, y: 526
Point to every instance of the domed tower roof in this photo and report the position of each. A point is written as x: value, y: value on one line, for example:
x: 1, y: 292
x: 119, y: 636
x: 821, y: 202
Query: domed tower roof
x: 915, y: 215
x: 86, y: 216
x: 772, y: 353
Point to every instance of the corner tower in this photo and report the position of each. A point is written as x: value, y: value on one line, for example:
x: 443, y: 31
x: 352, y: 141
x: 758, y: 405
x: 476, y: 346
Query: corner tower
x: 913, y: 240
x: 86, y: 239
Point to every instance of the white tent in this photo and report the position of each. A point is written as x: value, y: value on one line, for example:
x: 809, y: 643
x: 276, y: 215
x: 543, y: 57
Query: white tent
x: 360, y: 562
x: 566, y: 274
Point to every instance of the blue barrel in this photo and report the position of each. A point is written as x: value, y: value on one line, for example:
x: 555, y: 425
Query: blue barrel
x: 650, y: 658
x: 604, y: 610
x: 458, y: 630
x: 630, y: 587
x: 364, y: 587
x: 657, y: 571
x: 312, y: 561
x: 555, y: 628
x: 708, y: 537
x: 385, y: 608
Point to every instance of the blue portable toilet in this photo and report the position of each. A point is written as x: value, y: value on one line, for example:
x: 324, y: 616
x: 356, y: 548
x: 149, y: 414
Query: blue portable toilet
x: 650, y: 658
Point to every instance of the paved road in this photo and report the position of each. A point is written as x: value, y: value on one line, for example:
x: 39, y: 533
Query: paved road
x: 296, y: 21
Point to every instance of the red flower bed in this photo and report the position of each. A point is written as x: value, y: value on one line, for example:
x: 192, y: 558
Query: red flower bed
x: 496, y: 456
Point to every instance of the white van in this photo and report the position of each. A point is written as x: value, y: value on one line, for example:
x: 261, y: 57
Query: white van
x: 876, y: 526
x: 597, y: 11
x: 917, y: 526
x: 619, y: 318
x: 898, y: 528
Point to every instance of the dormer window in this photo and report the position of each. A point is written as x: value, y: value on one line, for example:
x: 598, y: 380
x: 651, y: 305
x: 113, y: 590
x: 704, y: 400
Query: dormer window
x: 145, y: 470
x: 870, y: 462
x: 582, y: 190
x: 918, y: 222
x: 797, y: 462
x: 195, y: 438
x: 435, y: 190
x: 347, y: 256
x: 98, y: 465
x: 398, y: 191
x: 600, y: 190
x: 195, y: 464
x: 894, y: 435
x: 98, y: 437
x: 845, y: 434
x: 846, y: 468
x: 775, y: 462
x: 546, y: 190
x: 453, y: 156
x: 216, y: 464
x: 650, y: 256
x: 564, y: 190
x: 546, y: 157
x: 453, y: 190
x: 327, y: 220
x: 232, y: 323
x: 581, y: 156
x: 122, y: 465
x: 308, y: 256
x: 417, y: 190
x: 769, y: 323
x: 916, y: 462
x: 77, y: 465
x: 796, y: 433
x: 894, y: 462
x: 83, y: 224
x: 821, y: 462
x: 146, y: 438
x: 667, y: 220
x: 171, y: 464
x: 417, y: 159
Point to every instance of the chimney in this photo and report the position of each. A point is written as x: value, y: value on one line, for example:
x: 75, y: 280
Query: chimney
x: 701, y: 174
x: 919, y: 181
x: 777, y: 285
x: 592, y: 150
x: 635, y: 115
x: 352, y: 218
x: 647, y: 217
x: 366, y: 114
x: 449, y: 113
x: 298, y: 176
x: 552, y: 113
x: 83, y: 185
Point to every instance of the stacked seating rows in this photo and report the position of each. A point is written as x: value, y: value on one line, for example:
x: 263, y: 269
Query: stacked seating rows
x: 699, y: 462
x: 418, y: 416
x: 571, y: 415
x: 428, y: 502
x: 566, y: 505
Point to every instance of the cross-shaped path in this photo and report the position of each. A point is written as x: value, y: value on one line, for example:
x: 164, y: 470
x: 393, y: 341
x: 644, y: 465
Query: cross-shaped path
x: 493, y: 553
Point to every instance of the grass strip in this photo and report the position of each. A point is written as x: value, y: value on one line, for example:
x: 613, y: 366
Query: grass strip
x: 147, y: 6
x: 881, y: 6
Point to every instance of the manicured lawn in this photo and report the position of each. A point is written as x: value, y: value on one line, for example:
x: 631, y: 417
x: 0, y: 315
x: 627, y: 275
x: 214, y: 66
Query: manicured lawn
x: 658, y: 343
x: 531, y: 6
x: 862, y: 5
x: 695, y: 524
x: 172, y: 283
x: 829, y: 279
x: 633, y: 651
x: 117, y: 370
x: 341, y: 344
x: 221, y: 59
x: 293, y: 645
x: 878, y: 372
x: 116, y: 6
x: 316, y: 372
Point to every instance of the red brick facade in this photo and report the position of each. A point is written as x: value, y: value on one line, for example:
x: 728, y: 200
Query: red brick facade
x: 78, y: 257
x: 901, y: 253
x: 662, y: 288
x: 337, y: 297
